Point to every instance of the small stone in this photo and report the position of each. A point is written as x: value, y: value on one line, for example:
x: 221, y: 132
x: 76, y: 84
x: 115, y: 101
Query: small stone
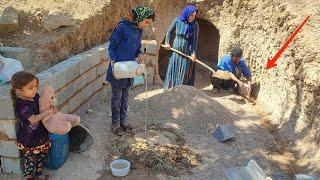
x: 56, y: 19
x: 89, y: 111
x: 101, y: 171
x: 224, y: 133
x: 304, y: 177
x: 280, y: 176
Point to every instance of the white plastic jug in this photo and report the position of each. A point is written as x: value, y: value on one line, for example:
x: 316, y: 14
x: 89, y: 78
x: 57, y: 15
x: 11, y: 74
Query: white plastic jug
x: 8, y: 67
x: 128, y: 69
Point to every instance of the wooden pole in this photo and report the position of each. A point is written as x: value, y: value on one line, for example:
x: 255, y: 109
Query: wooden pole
x: 197, y: 60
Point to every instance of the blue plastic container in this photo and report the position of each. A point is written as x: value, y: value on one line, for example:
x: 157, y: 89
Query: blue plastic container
x: 3, y: 79
x: 138, y: 80
x: 59, y: 151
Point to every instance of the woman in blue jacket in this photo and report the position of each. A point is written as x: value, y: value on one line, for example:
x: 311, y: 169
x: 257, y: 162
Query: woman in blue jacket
x: 125, y: 44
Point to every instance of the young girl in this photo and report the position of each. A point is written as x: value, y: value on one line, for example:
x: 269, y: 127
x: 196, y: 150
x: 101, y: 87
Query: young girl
x: 125, y: 44
x: 33, y: 138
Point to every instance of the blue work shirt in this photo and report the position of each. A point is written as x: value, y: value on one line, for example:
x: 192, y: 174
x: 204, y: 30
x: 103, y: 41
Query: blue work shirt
x: 125, y: 44
x: 226, y: 64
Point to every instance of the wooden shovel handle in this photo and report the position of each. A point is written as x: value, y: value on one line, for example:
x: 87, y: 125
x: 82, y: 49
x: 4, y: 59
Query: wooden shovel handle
x: 189, y: 57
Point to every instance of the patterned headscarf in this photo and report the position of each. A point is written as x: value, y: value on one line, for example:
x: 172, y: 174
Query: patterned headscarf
x: 141, y: 13
x: 187, y: 11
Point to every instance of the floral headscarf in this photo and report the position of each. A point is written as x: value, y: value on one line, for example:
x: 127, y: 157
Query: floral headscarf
x: 141, y: 13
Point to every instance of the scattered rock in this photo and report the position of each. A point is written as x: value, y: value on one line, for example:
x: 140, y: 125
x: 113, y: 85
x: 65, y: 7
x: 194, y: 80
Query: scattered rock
x: 304, y: 177
x: 88, y: 111
x: 280, y: 176
x: 224, y: 133
x: 57, y: 19
x: 101, y: 171
x: 250, y: 172
x: 9, y: 20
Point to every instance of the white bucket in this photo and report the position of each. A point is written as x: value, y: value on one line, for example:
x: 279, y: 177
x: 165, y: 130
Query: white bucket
x: 128, y: 69
x: 120, y: 167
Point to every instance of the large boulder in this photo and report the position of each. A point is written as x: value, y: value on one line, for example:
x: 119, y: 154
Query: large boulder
x: 9, y: 20
x: 56, y: 19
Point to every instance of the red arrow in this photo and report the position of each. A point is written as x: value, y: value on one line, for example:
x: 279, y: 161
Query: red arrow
x: 272, y: 63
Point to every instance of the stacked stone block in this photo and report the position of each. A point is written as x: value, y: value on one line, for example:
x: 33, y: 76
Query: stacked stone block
x: 75, y: 81
x: 149, y: 48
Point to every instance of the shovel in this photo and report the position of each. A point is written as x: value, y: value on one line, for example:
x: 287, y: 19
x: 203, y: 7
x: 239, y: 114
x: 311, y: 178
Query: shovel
x: 219, y: 74
x: 197, y: 60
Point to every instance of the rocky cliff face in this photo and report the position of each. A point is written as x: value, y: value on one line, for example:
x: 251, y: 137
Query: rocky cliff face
x: 290, y: 92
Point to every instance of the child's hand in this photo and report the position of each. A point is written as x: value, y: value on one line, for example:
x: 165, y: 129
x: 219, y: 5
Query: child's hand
x: 112, y: 63
x: 54, y: 110
x: 49, y: 110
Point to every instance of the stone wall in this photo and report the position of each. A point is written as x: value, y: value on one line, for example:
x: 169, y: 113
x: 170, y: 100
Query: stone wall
x: 77, y: 81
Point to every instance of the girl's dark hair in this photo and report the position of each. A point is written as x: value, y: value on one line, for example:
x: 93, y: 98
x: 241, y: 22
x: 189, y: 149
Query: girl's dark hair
x: 20, y: 80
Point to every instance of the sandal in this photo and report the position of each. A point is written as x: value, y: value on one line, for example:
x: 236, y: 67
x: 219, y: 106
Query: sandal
x: 43, y: 177
x: 29, y: 178
x: 117, y: 131
x: 127, y: 128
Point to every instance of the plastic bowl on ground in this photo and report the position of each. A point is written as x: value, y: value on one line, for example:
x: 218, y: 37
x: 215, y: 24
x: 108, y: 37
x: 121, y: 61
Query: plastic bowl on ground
x: 120, y: 167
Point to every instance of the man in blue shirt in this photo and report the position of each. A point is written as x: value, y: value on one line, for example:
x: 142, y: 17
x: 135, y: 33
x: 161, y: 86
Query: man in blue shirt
x: 236, y: 66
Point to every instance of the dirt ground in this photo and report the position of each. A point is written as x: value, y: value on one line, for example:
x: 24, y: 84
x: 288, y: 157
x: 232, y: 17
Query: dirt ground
x: 187, y: 117
x: 195, y: 118
x: 188, y: 113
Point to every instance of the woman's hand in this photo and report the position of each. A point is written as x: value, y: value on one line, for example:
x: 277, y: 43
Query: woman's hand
x: 140, y: 59
x: 166, y: 46
x: 112, y: 63
x: 193, y: 57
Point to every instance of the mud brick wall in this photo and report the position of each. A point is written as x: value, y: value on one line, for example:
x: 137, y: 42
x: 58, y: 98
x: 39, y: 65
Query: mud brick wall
x: 75, y: 80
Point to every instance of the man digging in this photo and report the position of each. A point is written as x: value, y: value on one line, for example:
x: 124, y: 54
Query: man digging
x: 229, y: 71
